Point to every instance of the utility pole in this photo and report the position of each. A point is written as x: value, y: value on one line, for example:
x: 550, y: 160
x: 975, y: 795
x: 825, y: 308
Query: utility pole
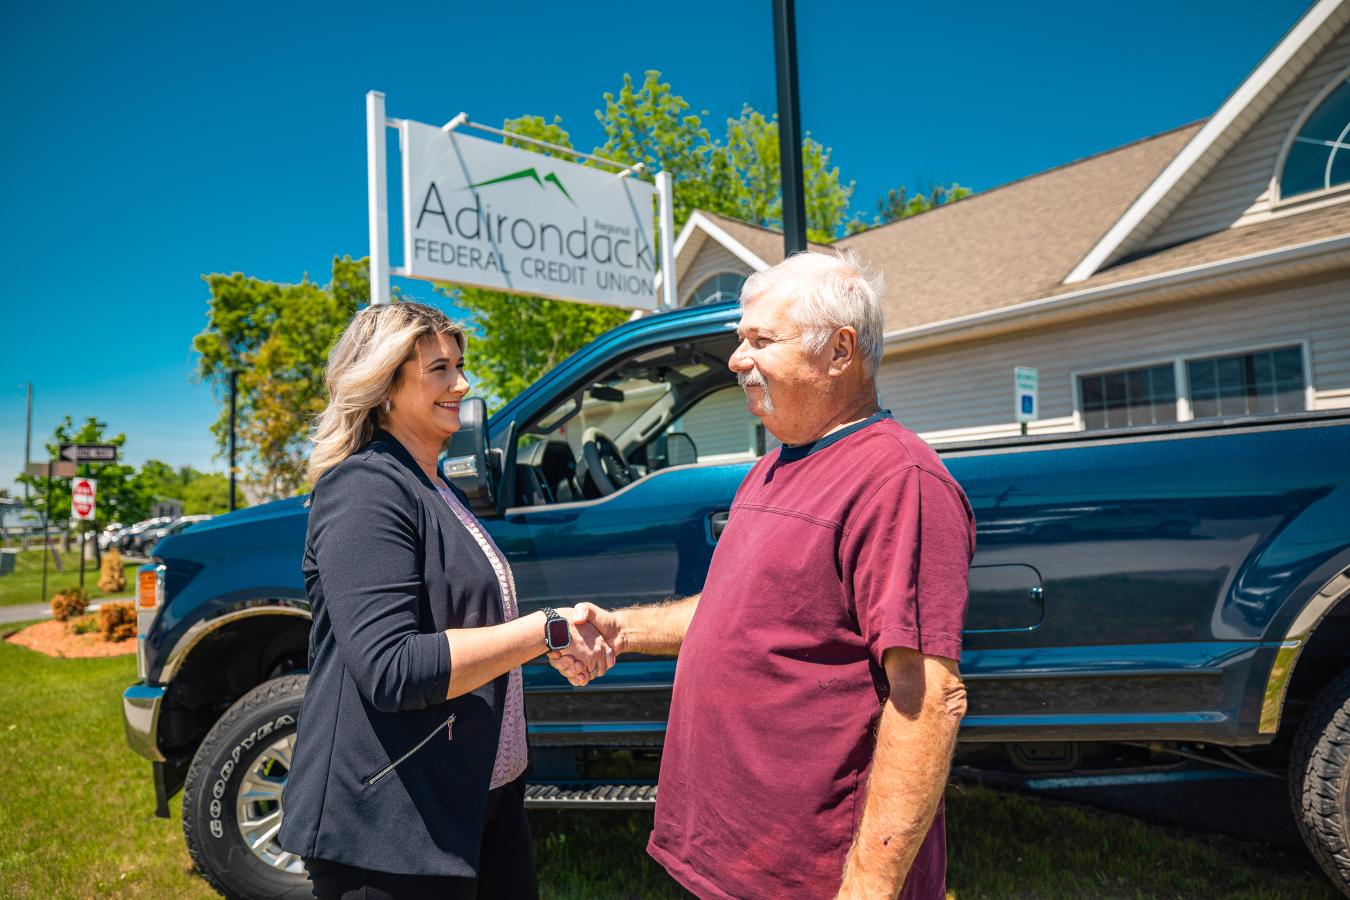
x: 46, y: 532
x: 27, y: 439
x: 234, y: 392
x: 789, y: 126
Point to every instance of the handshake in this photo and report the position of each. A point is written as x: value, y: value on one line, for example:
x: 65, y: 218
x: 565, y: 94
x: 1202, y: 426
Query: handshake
x: 596, y: 644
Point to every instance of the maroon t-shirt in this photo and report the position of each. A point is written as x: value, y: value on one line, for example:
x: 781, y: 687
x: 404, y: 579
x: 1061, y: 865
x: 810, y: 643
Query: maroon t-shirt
x: 834, y: 552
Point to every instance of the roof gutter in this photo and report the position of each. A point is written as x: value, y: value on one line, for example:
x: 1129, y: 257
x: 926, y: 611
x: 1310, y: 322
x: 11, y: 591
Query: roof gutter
x: 1238, y: 265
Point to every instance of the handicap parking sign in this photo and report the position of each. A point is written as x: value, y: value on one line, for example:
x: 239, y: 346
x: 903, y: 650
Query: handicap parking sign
x: 1025, y: 383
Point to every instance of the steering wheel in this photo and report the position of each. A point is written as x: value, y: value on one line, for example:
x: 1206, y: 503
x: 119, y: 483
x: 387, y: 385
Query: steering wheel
x: 604, y: 461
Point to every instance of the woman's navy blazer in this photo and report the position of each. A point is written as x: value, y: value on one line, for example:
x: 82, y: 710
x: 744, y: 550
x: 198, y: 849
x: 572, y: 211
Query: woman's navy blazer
x: 381, y: 776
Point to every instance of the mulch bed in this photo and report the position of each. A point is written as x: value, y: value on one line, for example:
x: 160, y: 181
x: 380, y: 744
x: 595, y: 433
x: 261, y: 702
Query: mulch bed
x: 59, y: 639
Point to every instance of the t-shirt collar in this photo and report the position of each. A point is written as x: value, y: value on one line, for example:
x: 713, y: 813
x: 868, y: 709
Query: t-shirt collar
x: 794, y: 452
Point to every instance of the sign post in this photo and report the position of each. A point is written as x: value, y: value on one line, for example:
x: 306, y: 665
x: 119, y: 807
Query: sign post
x: 377, y: 197
x: 82, y: 508
x: 1026, y: 400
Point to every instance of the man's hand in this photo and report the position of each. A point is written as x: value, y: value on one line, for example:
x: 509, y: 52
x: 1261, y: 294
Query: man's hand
x: 589, y: 656
x: 656, y: 629
x: 604, y: 621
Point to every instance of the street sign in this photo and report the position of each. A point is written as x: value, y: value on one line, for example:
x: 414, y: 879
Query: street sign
x: 89, y: 452
x: 50, y: 470
x: 82, y: 498
x: 1026, y: 403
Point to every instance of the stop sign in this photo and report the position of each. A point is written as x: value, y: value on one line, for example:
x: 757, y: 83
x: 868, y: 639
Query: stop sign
x: 82, y: 498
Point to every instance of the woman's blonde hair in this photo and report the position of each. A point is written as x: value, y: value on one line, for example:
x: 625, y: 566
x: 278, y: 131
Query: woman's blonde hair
x: 361, y: 372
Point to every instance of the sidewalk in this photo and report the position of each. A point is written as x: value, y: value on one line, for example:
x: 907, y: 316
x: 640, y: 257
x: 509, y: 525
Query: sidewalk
x: 29, y: 611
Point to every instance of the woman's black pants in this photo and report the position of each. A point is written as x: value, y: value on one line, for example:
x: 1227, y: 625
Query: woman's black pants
x: 505, y: 864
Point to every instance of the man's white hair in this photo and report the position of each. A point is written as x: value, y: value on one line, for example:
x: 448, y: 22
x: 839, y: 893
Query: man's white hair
x: 830, y: 291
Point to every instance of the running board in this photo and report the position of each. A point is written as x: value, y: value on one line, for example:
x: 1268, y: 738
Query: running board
x: 590, y: 795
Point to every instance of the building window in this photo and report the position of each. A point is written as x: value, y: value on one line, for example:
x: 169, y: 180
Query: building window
x: 1270, y: 381
x: 720, y: 287
x: 1143, y: 396
x: 1319, y: 157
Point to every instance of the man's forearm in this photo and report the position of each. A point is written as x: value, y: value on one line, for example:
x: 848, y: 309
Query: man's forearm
x: 915, y: 740
x: 656, y: 629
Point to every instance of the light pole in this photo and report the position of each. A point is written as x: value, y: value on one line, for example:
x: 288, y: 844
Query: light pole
x: 27, y: 440
x: 234, y: 392
x: 789, y: 126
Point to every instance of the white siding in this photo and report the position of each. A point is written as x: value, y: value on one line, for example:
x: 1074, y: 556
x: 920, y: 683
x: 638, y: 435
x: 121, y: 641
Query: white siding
x: 967, y: 388
x: 711, y: 259
x: 1238, y: 190
x: 720, y: 425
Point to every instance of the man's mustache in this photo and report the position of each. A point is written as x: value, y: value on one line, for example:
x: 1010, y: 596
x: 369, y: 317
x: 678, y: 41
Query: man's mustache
x: 750, y: 379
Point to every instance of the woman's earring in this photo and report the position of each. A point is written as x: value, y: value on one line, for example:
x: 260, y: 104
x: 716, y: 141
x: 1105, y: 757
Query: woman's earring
x: 386, y: 407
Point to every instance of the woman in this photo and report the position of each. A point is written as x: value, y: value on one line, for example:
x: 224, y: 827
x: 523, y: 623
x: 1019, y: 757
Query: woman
x: 407, y: 779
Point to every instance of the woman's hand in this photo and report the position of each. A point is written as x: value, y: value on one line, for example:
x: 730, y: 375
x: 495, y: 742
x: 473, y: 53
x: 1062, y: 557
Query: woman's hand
x: 587, y: 658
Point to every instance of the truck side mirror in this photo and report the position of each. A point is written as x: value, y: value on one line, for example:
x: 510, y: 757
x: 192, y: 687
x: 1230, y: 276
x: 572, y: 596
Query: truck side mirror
x: 469, y: 464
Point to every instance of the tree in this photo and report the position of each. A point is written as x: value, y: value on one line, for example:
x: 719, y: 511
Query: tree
x: 119, y: 497
x: 207, y: 494
x: 517, y: 338
x: 158, y: 480
x: 897, y: 204
x: 277, y: 336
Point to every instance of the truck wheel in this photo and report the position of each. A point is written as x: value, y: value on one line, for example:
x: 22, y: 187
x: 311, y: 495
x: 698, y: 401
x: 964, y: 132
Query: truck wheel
x: 232, y: 797
x: 1319, y: 780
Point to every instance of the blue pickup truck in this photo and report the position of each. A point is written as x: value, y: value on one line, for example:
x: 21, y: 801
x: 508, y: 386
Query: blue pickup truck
x: 1142, y: 595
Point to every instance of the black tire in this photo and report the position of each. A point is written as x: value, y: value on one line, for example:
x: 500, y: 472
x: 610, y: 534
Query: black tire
x: 253, y: 734
x: 1319, y: 780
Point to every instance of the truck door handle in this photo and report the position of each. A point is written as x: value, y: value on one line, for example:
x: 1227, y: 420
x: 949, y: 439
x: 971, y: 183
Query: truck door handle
x: 718, y: 522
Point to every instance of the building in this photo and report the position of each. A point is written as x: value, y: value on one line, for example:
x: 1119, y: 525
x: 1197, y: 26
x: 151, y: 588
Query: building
x: 1201, y: 272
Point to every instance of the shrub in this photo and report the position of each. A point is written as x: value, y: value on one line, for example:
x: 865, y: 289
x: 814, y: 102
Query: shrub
x: 84, y: 624
x: 111, y: 578
x: 69, y: 602
x: 117, y: 621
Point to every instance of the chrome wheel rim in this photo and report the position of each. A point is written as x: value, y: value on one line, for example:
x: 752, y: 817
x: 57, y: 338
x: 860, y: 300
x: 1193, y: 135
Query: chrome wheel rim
x: 258, y: 806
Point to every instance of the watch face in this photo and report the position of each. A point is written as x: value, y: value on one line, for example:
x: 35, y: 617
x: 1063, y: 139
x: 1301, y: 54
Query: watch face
x: 558, y: 636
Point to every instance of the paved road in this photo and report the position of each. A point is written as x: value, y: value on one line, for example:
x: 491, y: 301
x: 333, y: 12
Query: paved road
x: 30, y: 611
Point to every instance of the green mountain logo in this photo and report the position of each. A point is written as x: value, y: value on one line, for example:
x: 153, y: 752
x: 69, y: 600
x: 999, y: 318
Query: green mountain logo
x: 532, y: 175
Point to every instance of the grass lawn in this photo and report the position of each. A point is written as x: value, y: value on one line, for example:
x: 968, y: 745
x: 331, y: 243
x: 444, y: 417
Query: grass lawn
x: 77, y: 817
x: 24, y: 584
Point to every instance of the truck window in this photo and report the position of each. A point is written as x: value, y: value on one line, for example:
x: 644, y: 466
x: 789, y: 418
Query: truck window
x: 715, y: 429
x: 667, y: 406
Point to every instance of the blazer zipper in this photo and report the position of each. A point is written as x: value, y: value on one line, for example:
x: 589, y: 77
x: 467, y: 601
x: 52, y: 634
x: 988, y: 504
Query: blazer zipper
x: 448, y: 725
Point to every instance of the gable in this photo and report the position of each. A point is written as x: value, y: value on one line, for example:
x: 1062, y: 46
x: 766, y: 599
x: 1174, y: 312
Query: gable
x: 1241, y: 188
x: 1284, y: 65
x: 711, y: 259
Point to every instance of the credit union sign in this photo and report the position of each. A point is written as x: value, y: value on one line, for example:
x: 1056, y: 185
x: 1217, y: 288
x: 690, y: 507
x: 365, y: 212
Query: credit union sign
x: 480, y: 213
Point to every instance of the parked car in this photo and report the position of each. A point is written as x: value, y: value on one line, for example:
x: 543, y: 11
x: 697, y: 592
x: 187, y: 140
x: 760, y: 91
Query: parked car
x: 1190, y: 599
x: 146, y: 540
x: 109, y: 534
x: 129, y: 540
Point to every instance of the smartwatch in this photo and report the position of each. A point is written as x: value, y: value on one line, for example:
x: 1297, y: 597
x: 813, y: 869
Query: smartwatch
x: 557, y: 634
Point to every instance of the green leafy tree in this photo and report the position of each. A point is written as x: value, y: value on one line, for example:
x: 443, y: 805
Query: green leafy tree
x: 898, y: 204
x: 749, y: 183
x: 158, y: 480
x: 277, y: 336
x: 119, y: 498
x: 207, y: 494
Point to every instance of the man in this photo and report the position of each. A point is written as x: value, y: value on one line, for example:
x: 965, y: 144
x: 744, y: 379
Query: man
x: 817, y: 695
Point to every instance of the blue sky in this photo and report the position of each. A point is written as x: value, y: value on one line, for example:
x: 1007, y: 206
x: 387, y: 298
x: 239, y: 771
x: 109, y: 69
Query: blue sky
x: 149, y: 143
